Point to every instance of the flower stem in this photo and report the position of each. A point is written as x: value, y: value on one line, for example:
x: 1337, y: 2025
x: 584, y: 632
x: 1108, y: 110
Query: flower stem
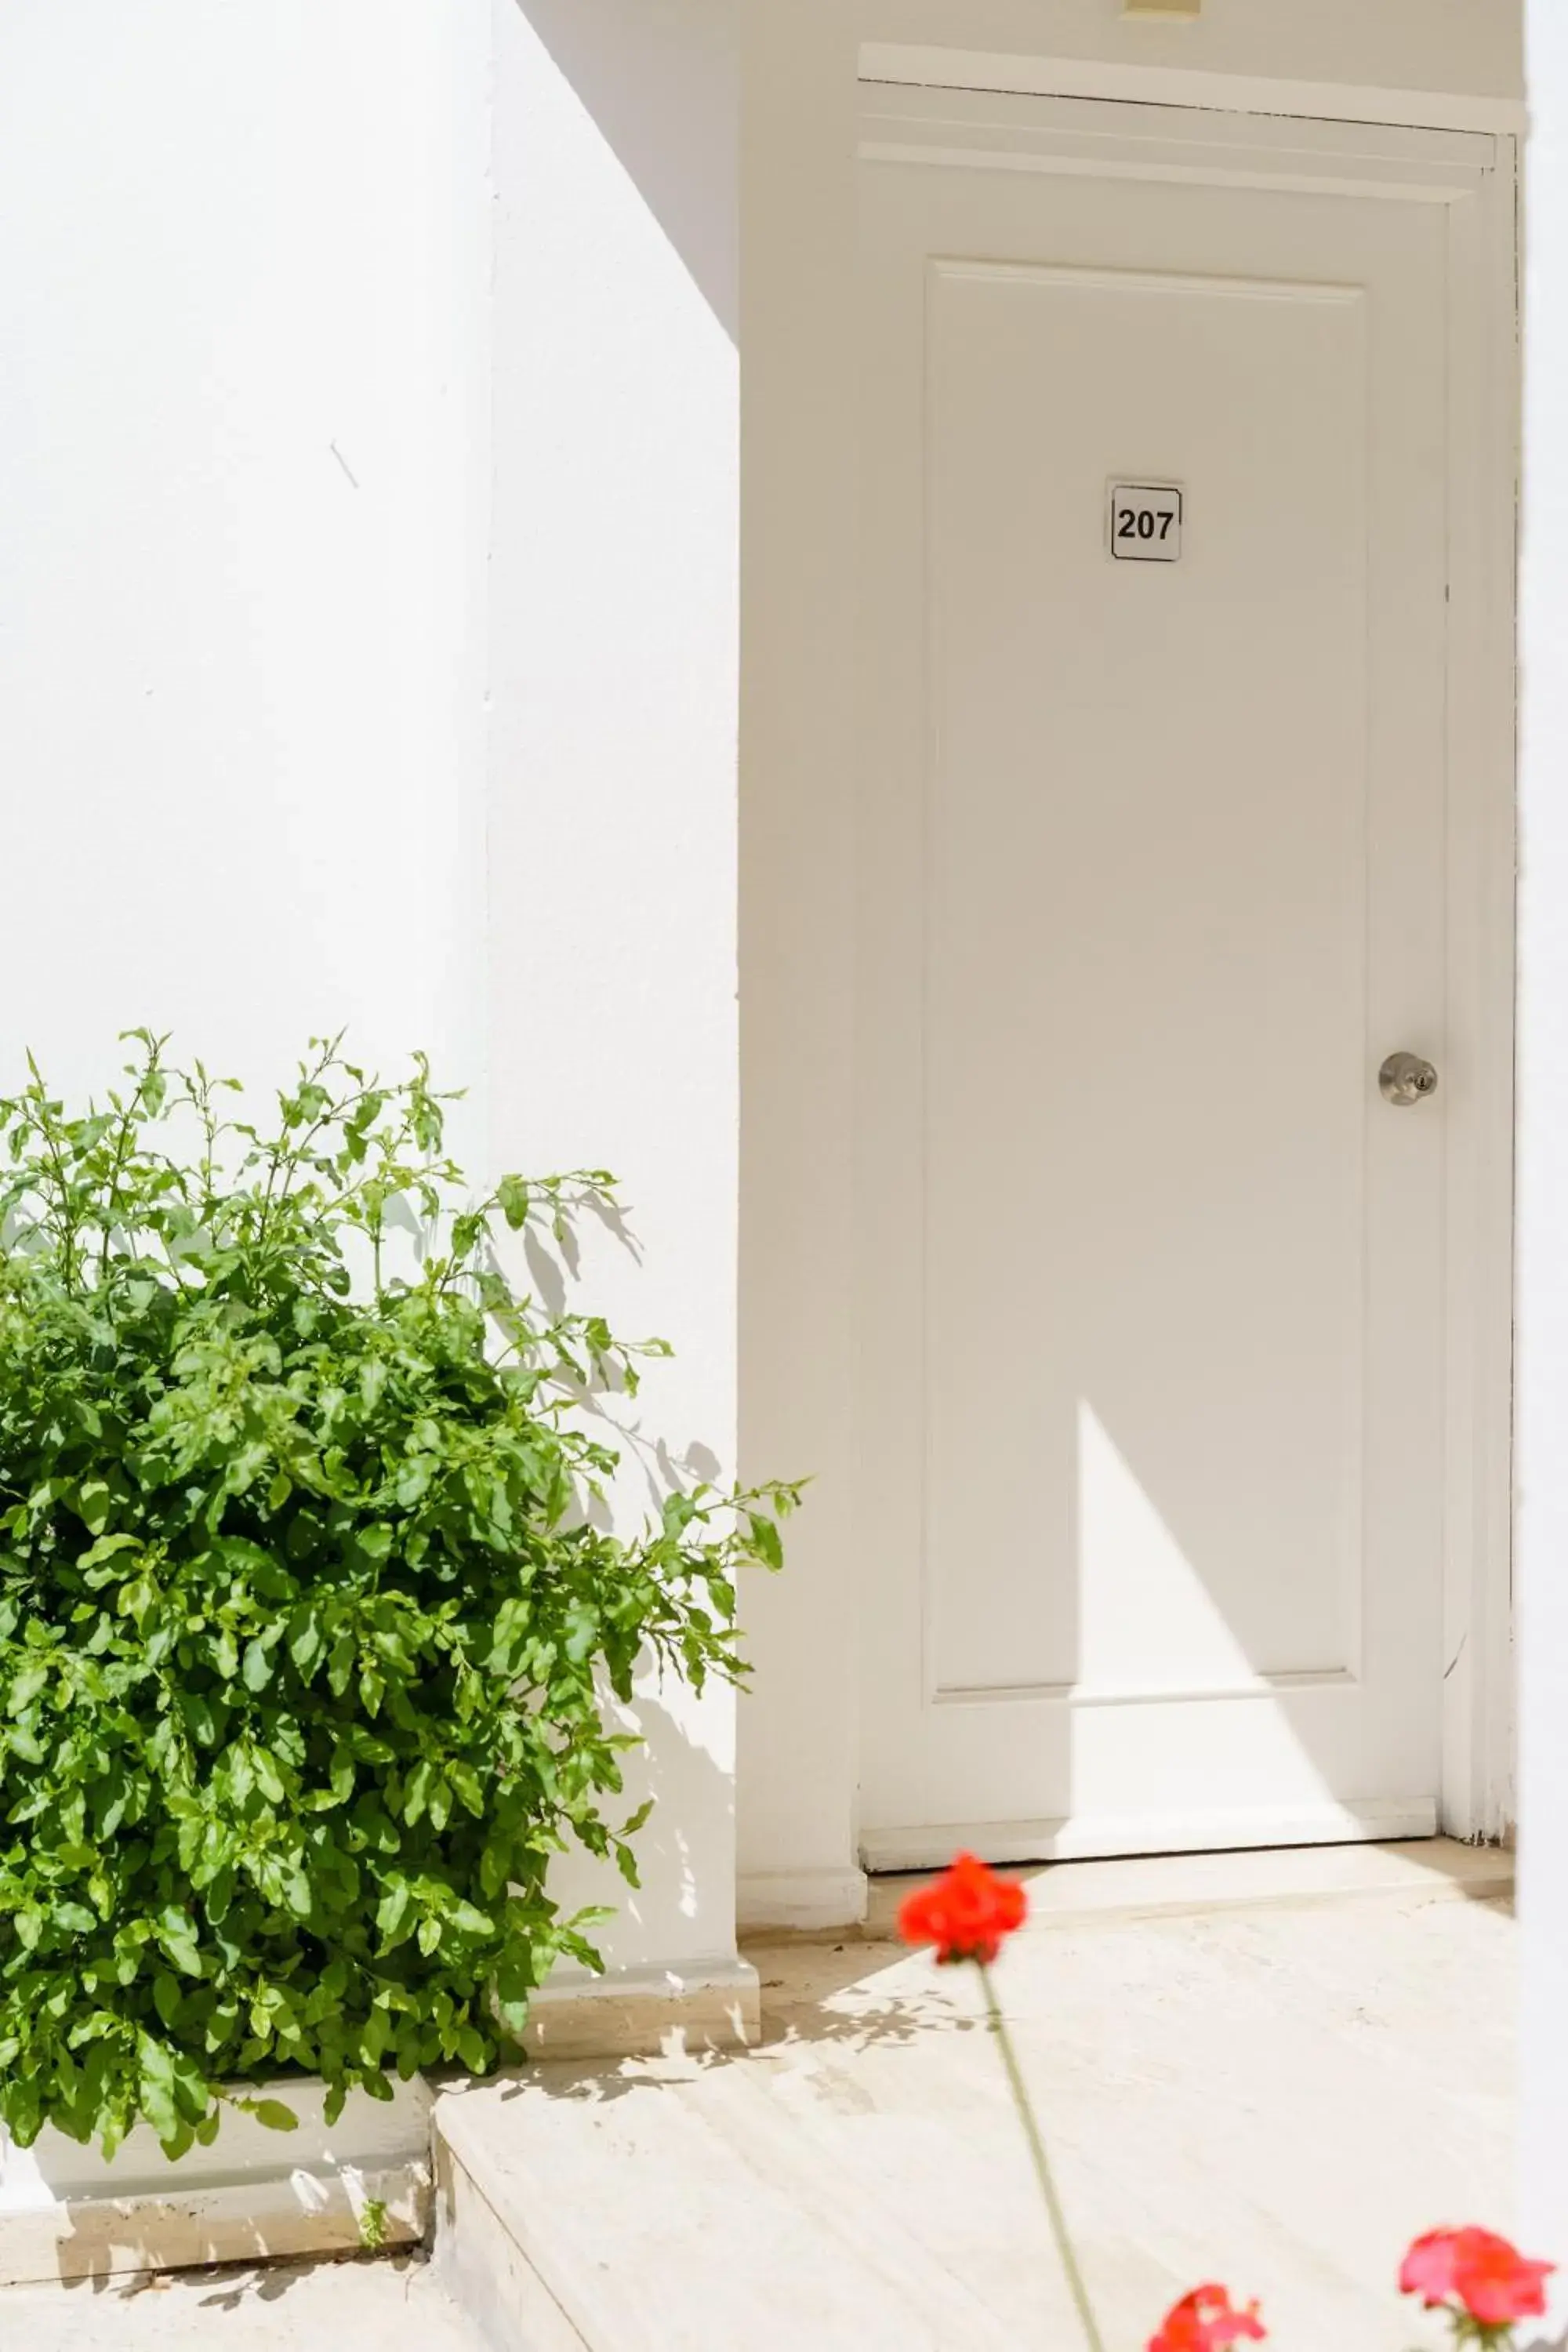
x: 1042, y: 2165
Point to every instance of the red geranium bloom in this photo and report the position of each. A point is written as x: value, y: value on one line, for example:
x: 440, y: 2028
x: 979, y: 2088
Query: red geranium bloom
x: 967, y: 1913
x: 1208, y: 2321
x: 1485, y: 2276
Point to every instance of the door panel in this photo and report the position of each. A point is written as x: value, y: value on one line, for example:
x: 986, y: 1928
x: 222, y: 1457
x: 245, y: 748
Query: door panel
x: 1152, y: 880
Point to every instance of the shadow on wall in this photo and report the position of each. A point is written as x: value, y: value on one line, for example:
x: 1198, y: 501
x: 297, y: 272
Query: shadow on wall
x: 686, y: 1786
x: 658, y: 78
x: 673, y: 1908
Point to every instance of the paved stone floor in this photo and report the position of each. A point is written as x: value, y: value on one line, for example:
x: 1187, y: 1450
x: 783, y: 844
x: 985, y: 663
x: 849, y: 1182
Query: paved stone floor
x: 1272, y: 2070
x: 1279, y: 2092
x: 385, y: 2306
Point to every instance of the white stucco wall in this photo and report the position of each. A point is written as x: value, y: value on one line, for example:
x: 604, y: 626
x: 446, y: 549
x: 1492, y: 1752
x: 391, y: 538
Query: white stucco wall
x: 282, y: 747
x: 612, y: 819
x: 242, y: 477
x: 799, y: 1758
x: 1468, y: 48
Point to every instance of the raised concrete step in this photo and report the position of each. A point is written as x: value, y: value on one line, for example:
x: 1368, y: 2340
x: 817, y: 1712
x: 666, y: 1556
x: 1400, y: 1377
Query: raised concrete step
x: 681, y: 2212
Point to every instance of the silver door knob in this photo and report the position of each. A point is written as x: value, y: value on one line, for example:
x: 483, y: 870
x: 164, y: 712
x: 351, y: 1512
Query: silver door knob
x: 1405, y: 1078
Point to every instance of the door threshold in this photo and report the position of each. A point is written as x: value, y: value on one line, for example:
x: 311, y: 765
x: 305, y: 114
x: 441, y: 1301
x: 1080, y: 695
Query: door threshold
x: 1071, y: 1893
x: 1101, y: 1837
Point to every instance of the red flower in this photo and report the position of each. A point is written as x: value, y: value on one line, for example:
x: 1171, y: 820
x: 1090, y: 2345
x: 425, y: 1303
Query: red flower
x: 1485, y: 2276
x: 967, y: 1913
x: 1208, y: 2321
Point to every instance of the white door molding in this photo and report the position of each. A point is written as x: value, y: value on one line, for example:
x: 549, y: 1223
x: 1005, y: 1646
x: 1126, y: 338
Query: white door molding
x: 925, y: 66
x: 1002, y: 130
x: 1484, y: 459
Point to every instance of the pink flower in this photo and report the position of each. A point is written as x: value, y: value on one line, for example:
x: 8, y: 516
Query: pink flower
x: 1476, y: 2272
x: 1208, y: 2321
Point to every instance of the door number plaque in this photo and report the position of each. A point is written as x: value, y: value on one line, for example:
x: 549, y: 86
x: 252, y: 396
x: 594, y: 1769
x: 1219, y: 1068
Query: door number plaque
x: 1145, y: 522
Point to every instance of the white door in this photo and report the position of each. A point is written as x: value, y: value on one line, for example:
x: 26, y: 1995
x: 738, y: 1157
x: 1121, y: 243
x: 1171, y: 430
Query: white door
x: 1152, y: 864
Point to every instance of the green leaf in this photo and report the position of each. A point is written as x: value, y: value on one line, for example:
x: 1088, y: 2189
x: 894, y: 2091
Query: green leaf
x: 256, y: 1669
x: 176, y: 1932
x: 107, y: 1548
x: 93, y: 1503
x: 766, y: 1542
x: 392, y: 1911
x: 473, y: 2050
x: 271, y: 2114
x: 306, y: 1641
x: 473, y: 1920
x: 201, y: 1716
x: 32, y: 1679
x: 416, y: 1796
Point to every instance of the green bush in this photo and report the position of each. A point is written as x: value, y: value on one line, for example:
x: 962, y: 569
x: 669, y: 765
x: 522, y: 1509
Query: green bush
x: 306, y: 1618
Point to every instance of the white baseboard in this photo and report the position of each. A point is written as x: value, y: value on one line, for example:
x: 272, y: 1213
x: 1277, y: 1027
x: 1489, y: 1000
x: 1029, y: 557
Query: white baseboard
x: 646, y: 2012
x: 1102, y: 1837
x: 802, y: 1901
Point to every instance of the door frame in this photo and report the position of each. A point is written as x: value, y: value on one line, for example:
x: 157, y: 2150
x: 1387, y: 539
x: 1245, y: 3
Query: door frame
x: 1473, y: 174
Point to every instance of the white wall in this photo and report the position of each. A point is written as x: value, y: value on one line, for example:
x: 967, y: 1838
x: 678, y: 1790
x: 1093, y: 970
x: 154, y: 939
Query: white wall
x: 1543, y: 1279
x: 282, y: 747
x: 242, y: 482
x: 799, y: 1734
x: 613, y: 797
